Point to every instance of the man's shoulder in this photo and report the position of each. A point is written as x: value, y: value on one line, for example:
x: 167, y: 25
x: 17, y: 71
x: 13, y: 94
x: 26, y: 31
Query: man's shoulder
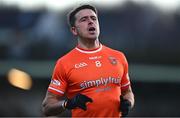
x: 67, y: 57
x: 116, y: 53
x: 113, y: 51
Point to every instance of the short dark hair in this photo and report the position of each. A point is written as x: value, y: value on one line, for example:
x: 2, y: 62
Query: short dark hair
x: 71, y: 15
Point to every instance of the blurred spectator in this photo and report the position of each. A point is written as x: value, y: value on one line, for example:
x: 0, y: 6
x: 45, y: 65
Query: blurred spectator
x: 17, y: 46
x: 49, y: 26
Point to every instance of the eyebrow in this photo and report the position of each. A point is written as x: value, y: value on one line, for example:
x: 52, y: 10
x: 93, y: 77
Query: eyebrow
x: 87, y: 17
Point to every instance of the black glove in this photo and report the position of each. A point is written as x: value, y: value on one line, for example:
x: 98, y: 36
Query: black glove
x: 78, y: 100
x: 125, y: 106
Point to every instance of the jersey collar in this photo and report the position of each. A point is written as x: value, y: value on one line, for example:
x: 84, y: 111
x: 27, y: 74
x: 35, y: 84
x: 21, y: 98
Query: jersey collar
x: 89, y: 51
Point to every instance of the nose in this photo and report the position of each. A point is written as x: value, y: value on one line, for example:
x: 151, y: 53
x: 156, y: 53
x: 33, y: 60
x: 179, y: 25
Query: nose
x: 90, y: 21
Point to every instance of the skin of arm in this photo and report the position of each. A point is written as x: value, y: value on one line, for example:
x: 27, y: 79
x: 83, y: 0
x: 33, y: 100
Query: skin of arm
x: 128, y: 95
x: 52, y: 104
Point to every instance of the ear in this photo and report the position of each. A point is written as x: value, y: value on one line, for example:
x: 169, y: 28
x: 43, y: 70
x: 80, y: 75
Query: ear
x: 74, y: 31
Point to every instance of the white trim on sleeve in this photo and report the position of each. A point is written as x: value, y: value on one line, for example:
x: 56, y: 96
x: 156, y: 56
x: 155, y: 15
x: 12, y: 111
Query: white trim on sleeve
x: 59, y: 91
x: 125, y: 84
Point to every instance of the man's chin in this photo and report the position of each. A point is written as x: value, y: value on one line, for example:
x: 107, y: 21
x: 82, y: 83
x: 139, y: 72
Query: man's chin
x: 92, y: 38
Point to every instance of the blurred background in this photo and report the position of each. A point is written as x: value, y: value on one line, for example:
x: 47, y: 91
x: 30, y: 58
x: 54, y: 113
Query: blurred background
x: 34, y: 34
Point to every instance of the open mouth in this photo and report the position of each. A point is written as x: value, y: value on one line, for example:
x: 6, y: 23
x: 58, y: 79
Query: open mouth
x: 91, y: 29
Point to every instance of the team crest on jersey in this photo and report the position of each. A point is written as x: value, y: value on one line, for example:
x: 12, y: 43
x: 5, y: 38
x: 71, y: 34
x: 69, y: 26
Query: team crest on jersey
x: 112, y: 60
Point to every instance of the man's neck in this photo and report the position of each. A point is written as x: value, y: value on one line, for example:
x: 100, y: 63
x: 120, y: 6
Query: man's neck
x: 88, y: 45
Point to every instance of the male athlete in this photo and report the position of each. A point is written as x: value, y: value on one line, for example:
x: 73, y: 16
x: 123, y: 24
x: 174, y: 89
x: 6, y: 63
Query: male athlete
x: 93, y: 77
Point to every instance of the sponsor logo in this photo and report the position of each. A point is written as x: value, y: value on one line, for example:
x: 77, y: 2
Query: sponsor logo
x: 80, y: 65
x: 55, y: 82
x: 98, y: 82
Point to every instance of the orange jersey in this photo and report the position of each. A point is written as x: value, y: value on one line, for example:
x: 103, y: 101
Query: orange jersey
x: 100, y: 74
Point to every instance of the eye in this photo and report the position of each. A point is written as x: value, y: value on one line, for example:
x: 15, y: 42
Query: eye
x: 83, y: 19
x: 94, y: 18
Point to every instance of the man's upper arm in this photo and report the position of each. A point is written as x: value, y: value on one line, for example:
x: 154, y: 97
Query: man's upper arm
x: 58, y: 82
x: 125, y: 81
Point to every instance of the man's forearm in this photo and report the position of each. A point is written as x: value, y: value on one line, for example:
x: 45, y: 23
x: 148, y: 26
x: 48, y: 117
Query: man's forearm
x: 128, y: 95
x: 53, y: 108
